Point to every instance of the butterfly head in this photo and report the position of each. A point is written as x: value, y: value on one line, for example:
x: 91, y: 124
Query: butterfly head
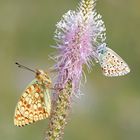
x: 43, y: 77
x: 101, y: 49
x: 40, y: 75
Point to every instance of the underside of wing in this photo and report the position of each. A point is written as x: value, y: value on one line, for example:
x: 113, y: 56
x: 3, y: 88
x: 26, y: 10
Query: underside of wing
x: 113, y: 65
x: 33, y: 105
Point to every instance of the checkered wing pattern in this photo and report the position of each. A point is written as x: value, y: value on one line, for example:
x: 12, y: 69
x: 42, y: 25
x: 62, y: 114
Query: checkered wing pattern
x: 33, y: 105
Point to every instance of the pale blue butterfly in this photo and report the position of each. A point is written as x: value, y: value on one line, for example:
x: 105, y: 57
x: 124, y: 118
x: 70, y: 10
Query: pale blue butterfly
x: 112, y: 64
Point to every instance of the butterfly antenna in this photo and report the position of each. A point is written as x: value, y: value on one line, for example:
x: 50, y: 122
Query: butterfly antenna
x: 23, y: 67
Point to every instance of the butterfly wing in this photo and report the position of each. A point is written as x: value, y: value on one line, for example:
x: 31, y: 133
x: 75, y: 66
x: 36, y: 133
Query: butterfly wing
x: 112, y: 64
x: 33, y: 105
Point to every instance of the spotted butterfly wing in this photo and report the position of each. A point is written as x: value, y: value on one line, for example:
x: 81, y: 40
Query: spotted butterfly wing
x: 33, y: 105
x: 112, y: 64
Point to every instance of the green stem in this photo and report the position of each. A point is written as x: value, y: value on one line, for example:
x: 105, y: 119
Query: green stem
x: 60, y: 111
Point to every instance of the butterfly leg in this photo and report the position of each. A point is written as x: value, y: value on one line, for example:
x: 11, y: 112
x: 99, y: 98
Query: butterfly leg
x: 56, y: 88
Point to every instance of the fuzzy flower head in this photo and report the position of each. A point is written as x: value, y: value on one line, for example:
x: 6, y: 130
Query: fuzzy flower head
x: 77, y: 35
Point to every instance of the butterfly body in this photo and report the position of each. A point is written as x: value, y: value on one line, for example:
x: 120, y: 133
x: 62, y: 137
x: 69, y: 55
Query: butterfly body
x: 34, y: 104
x: 112, y: 64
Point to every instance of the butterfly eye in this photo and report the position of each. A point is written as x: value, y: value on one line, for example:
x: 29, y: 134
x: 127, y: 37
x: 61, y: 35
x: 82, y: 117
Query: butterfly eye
x: 38, y: 73
x: 102, y: 51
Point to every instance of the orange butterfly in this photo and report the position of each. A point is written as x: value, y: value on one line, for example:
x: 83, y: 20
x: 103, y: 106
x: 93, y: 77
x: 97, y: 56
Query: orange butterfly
x: 35, y: 103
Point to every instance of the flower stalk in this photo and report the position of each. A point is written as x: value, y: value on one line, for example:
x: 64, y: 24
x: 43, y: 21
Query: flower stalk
x: 60, y: 113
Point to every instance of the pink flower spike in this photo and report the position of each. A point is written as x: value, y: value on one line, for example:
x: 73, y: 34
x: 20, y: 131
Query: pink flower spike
x: 77, y: 35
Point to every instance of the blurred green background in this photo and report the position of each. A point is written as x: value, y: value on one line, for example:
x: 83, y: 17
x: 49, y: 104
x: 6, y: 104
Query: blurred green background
x: 110, y: 108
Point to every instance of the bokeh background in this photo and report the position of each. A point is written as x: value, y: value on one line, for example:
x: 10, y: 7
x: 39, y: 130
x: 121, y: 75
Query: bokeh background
x: 110, y: 108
